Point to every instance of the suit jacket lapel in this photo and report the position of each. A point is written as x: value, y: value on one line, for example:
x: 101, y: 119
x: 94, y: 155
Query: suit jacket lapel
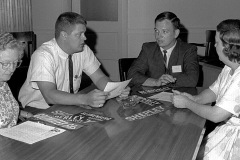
x: 158, y: 54
x: 174, y: 56
x: 157, y: 61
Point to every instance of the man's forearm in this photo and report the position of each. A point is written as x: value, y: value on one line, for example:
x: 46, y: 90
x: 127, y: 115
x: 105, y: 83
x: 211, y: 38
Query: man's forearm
x: 63, y: 98
x: 102, y: 82
x: 150, y: 82
x: 184, y: 80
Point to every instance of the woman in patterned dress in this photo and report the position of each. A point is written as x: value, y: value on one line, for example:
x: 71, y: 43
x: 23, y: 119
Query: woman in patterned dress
x: 223, y: 143
x: 11, y: 52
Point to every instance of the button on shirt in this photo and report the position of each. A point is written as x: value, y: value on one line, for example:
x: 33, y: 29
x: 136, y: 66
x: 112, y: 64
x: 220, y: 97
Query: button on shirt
x: 50, y: 63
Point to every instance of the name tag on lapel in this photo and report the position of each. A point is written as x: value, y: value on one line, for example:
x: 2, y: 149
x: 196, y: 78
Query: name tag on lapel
x: 176, y: 69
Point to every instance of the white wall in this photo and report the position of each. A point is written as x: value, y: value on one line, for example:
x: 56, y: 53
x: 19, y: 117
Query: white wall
x: 111, y: 41
x: 195, y: 15
x: 44, y: 15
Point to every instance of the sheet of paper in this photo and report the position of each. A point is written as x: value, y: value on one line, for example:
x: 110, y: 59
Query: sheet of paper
x: 115, y: 88
x: 163, y: 96
x: 30, y: 132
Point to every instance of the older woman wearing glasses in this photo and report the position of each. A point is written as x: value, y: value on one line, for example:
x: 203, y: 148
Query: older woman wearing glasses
x: 11, y: 52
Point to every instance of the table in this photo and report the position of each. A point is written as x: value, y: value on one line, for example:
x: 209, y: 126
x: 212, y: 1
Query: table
x: 174, y: 134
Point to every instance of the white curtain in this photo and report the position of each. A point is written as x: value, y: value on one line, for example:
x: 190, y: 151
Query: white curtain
x: 15, y: 15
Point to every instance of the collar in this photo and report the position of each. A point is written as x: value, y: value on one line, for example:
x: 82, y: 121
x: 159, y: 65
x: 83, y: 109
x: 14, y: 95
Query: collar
x: 61, y: 53
x: 170, y: 49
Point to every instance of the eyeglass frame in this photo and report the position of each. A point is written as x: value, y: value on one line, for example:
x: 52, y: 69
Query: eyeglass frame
x: 6, y: 66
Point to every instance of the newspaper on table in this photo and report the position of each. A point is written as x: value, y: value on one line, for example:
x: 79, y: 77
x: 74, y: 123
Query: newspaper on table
x: 69, y: 121
x: 30, y: 132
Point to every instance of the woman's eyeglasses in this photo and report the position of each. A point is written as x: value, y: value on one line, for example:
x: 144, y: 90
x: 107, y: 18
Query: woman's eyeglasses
x: 7, y: 65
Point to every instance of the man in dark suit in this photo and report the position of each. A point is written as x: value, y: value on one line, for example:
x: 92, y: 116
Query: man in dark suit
x: 168, y: 60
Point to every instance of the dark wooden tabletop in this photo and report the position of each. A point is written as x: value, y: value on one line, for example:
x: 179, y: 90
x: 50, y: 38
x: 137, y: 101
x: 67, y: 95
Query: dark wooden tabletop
x: 173, y: 134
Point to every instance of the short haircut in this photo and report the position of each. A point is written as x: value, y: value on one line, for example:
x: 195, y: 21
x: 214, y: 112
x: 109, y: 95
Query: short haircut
x: 66, y: 21
x: 7, y: 41
x: 229, y: 31
x: 171, y: 17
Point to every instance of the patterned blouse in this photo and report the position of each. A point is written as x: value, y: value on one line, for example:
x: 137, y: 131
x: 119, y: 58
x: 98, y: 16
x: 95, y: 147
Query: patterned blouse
x: 9, y: 108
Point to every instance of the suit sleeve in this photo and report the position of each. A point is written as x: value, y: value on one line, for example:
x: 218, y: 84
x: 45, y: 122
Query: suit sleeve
x: 139, y: 68
x: 190, y: 73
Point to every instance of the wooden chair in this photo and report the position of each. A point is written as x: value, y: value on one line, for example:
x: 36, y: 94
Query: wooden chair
x: 124, y: 65
x: 30, y: 40
x: 209, y: 44
x: 210, y: 55
x: 85, y: 81
x: 20, y: 74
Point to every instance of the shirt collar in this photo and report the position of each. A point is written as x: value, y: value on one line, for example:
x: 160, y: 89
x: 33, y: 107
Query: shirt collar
x: 169, y: 51
x: 61, y: 53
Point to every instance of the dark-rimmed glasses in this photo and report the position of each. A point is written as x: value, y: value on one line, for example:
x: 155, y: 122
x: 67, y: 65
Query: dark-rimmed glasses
x: 6, y: 65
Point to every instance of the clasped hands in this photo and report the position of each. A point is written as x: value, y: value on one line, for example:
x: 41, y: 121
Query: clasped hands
x: 96, y: 98
x: 181, y: 99
x: 165, y: 79
x: 24, y: 115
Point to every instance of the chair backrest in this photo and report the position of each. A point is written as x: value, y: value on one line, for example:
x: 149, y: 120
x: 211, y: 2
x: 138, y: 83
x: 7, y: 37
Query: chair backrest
x: 16, y: 81
x: 30, y: 40
x: 124, y: 65
x: 20, y: 74
x: 210, y: 51
x: 210, y: 42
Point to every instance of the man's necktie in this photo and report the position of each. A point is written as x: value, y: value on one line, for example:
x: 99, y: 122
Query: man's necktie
x: 70, y: 64
x: 165, y: 60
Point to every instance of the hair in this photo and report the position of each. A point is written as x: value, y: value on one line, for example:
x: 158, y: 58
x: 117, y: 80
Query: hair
x: 171, y: 17
x: 7, y: 41
x: 229, y: 31
x: 66, y: 21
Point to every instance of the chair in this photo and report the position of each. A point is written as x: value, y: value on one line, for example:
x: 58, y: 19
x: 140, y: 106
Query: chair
x: 20, y: 74
x: 209, y: 44
x: 16, y: 81
x: 29, y: 39
x: 124, y: 65
x: 85, y: 81
x: 210, y: 55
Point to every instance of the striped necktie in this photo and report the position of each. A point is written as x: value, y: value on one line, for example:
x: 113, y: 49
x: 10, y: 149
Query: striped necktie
x: 165, y: 60
x: 70, y: 67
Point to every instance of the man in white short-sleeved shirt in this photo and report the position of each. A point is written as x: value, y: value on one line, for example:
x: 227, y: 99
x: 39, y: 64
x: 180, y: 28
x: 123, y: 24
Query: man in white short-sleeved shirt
x: 47, y: 80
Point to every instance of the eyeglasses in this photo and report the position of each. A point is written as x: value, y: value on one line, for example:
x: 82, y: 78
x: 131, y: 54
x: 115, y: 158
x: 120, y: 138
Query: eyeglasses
x: 6, y: 65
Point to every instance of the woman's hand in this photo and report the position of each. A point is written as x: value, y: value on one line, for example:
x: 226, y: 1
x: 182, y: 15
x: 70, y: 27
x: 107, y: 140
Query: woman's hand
x: 25, y: 114
x: 180, y: 101
x: 175, y: 92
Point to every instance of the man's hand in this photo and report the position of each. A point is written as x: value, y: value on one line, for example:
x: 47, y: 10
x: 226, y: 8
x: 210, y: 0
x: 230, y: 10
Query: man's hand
x: 125, y: 92
x: 165, y: 79
x: 95, y: 98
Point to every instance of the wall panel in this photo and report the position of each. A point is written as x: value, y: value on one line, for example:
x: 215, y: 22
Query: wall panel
x: 197, y: 16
